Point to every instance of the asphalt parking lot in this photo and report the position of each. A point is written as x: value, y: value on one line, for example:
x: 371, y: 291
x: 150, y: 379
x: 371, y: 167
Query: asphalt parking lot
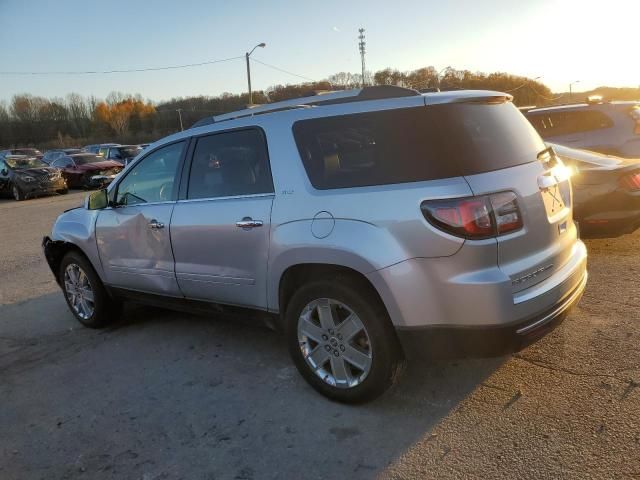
x: 165, y: 395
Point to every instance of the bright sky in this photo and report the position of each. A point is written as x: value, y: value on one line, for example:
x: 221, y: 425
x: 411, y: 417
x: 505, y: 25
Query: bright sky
x: 559, y: 40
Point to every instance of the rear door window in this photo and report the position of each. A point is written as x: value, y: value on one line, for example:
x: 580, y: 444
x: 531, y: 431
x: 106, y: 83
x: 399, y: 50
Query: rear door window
x: 230, y: 164
x: 414, y: 144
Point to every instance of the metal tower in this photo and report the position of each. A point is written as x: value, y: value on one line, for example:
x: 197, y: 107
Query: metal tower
x: 362, y: 45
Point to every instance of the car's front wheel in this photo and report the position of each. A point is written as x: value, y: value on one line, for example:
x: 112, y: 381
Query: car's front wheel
x: 85, y: 294
x: 342, y: 341
x: 17, y: 193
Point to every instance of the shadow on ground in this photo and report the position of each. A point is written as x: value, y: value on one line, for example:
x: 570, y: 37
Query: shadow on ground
x: 168, y: 395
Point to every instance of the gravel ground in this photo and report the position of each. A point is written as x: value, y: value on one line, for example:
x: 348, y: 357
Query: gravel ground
x: 165, y: 395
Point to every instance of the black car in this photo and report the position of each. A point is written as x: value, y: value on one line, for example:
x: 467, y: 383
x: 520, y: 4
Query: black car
x: 23, y: 177
x: 51, y: 155
x: 606, y: 192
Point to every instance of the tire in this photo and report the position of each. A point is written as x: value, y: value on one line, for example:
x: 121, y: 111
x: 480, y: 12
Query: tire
x: 376, y: 340
x: 98, y: 313
x: 64, y: 191
x: 17, y: 193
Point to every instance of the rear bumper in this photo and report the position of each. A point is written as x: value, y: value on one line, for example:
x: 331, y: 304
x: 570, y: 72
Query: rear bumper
x: 446, y: 305
x: 488, y: 340
x: 609, y: 224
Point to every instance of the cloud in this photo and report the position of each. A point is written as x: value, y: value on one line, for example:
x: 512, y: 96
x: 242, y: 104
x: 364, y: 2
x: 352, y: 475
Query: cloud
x: 335, y: 29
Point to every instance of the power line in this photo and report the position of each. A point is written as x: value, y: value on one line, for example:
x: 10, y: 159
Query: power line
x: 149, y: 69
x: 281, y: 70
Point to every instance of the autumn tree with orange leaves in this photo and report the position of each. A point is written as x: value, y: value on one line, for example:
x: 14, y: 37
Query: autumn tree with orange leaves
x: 118, y: 110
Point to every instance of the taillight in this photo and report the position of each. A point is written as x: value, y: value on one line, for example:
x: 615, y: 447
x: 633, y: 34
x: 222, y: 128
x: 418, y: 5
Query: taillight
x: 475, y: 217
x: 630, y: 182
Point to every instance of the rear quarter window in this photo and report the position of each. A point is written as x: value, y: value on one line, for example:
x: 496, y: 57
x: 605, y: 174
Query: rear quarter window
x: 414, y: 144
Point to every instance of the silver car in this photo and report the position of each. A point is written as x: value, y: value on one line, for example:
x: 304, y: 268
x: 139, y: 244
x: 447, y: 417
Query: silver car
x: 369, y: 225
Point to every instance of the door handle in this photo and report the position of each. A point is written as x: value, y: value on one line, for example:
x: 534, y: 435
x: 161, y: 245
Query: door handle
x: 248, y: 222
x: 156, y: 224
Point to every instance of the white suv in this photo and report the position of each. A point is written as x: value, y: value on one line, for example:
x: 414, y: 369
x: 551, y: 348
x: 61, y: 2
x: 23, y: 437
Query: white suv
x: 366, y: 224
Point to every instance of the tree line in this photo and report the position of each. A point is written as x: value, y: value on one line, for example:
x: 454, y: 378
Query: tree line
x: 28, y: 120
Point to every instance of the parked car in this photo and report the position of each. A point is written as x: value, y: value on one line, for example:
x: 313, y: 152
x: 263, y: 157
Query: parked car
x: 121, y: 153
x: 51, y: 155
x: 605, y: 127
x: 87, y: 170
x: 30, y: 152
x: 95, y: 147
x: 349, y: 232
x: 606, y: 192
x: 23, y: 177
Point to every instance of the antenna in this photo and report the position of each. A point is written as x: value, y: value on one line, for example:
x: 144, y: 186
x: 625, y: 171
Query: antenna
x: 362, y: 45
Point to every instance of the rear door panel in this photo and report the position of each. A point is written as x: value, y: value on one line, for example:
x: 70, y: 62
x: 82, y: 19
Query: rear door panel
x: 216, y: 260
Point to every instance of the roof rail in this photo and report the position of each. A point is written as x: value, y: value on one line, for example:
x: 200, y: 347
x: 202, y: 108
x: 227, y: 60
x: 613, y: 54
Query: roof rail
x: 330, y: 98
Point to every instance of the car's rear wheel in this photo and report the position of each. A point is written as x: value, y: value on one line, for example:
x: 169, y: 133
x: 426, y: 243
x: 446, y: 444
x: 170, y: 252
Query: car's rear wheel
x: 64, y: 191
x: 17, y: 193
x: 341, y: 340
x: 85, y: 294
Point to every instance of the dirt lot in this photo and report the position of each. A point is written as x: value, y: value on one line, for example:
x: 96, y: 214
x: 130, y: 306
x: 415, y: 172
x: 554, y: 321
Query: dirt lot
x: 167, y: 396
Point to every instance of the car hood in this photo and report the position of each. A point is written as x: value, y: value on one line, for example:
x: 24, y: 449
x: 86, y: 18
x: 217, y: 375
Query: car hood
x: 105, y: 165
x: 37, y: 171
x: 586, y: 160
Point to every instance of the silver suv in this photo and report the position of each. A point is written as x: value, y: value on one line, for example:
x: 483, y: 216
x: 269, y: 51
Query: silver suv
x: 369, y: 225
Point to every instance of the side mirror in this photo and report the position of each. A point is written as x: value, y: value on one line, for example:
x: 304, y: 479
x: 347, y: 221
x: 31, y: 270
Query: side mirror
x: 4, y: 172
x: 97, y: 200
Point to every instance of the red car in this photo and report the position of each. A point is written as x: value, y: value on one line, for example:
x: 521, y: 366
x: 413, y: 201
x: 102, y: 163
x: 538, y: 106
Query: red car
x: 86, y: 170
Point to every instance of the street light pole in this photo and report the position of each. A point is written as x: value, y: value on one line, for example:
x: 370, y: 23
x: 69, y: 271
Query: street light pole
x: 247, y: 55
x: 571, y: 90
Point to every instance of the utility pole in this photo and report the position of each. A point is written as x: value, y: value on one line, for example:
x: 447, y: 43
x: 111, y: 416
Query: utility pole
x: 246, y: 56
x: 571, y: 90
x: 179, y: 110
x: 362, y: 45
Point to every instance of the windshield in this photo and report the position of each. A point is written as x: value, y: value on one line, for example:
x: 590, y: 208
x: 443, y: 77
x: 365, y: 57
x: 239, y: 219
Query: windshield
x: 22, y: 163
x: 84, y: 159
x: 129, y: 152
x: 26, y: 151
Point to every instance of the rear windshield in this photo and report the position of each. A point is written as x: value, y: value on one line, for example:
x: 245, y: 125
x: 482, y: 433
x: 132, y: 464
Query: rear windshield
x: 414, y: 144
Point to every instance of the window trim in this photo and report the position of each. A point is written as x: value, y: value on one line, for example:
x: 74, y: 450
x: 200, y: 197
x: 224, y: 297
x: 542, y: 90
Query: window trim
x: 113, y: 193
x: 184, y: 187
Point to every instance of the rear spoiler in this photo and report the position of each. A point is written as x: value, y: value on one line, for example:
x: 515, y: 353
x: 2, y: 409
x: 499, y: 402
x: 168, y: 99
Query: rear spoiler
x: 467, y: 96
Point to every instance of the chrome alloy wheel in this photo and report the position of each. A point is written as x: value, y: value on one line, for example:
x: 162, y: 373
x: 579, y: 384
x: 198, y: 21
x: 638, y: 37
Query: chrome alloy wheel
x: 78, y: 290
x: 334, y: 342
